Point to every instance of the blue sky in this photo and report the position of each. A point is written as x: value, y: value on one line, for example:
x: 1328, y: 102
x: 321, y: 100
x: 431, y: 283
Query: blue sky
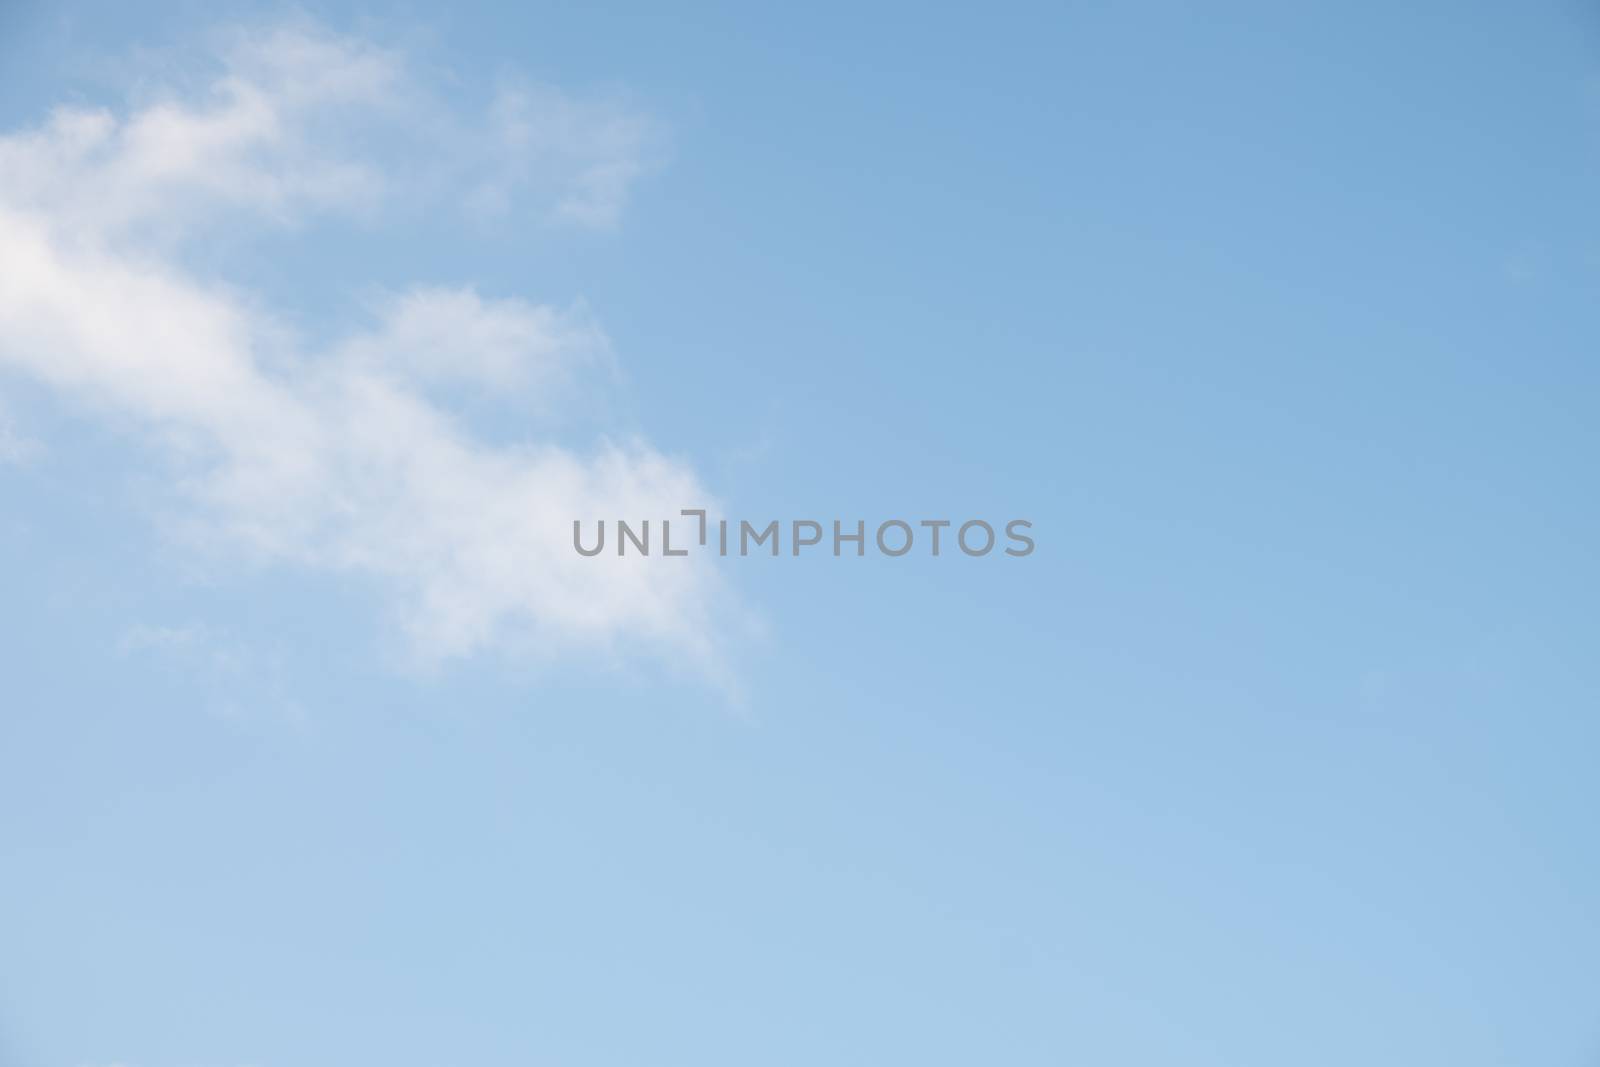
x: 319, y: 747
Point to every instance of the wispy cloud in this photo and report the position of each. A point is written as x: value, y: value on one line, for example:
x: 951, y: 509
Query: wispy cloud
x: 595, y: 150
x: 507, y: 346
x: 293, y: 119
x: 342, y: 457
x: 16, y: 448
x: 235, y: 680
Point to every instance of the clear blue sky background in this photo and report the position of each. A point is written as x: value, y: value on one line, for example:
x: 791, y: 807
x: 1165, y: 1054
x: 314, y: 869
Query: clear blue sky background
x: 1279, y: 321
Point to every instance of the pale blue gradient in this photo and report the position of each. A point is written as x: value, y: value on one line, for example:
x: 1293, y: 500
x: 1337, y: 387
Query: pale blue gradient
x: 1279, y: 322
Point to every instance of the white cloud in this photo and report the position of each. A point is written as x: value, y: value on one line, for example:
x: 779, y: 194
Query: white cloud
x: 294, y: 119
x: 342, y: 458
x: 256, y: 137
x: 455, y: 335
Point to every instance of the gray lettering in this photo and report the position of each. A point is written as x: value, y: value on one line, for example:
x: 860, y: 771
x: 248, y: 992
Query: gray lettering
x: 961, y: 536
x: 797, y: 542
x: 624, y: 535
x: 1024, y: 539
x: 745, y: 530
x: 903, y: 548
x: 599, y: 544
